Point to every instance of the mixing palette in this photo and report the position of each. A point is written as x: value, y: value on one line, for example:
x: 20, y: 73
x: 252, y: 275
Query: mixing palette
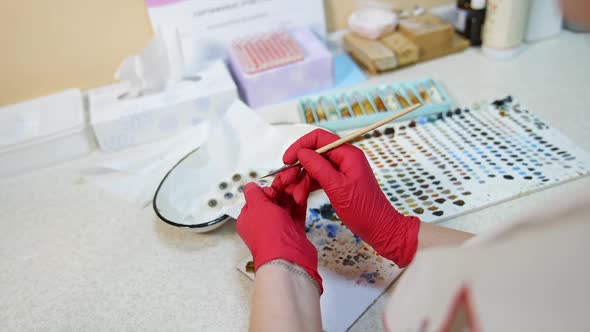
x: 435, y: 167
x: 442, y: 165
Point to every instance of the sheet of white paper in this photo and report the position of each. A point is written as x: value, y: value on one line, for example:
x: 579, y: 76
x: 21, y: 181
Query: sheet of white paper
x: 134, y: 174
x: 354, y: 276
x: 239, y: 142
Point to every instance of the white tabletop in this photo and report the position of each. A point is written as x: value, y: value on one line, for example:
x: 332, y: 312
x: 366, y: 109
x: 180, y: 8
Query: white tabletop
x: 73, y: 257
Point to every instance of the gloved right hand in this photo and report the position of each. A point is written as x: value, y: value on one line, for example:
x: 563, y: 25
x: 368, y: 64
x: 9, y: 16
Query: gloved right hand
x: 348, y: 180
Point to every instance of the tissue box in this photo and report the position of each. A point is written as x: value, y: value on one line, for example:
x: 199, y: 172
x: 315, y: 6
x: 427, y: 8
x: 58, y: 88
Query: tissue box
x: 274, y: 85
x: 42, y: 132
x: 121, y: 123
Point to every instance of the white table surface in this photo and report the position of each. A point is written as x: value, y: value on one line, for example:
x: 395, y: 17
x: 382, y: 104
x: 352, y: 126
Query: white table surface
x: 75, y: 258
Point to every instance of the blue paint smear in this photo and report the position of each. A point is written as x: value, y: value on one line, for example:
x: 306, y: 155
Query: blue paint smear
x: 422, y: 120
x: 357, y: 239
x: 332, y: 230
x: 314, y: 215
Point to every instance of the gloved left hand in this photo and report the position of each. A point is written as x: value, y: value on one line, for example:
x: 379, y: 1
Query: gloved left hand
x: 273, y: 227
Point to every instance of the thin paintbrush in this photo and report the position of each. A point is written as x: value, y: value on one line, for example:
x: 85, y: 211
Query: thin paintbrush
x: 352, y: 136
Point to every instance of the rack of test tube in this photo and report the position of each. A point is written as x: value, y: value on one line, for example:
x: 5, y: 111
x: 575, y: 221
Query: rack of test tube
x: 359, y: 108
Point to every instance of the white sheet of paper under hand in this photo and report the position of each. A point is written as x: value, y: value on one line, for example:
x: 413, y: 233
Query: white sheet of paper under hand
x: 353, y: 274
x: 202, y: 188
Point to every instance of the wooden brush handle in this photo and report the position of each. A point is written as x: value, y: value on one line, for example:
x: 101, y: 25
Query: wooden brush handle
x: 367, y: 129
x: 354, y: 135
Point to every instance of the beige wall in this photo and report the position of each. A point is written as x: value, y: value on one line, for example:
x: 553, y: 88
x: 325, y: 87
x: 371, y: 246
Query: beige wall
x: 49, y: 46
x: 337, y: 11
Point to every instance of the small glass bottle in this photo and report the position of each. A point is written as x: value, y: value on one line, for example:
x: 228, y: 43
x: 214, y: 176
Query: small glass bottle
x: 343, y: 107
x: 470, y: 19
x: 379, y: 102
x: 423, y: 94
x: 390, y: 100
x: 463, y: 7
x: 401, y: 100
x: 327, y: 105
x: 413, y: 99
x: 320, y: 112
x: 356, y: 107
x: 366, y: 103
x: 308, y: 113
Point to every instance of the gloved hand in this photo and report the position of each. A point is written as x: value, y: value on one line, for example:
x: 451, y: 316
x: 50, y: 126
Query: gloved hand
x: 346, y: 177
x: 273, y: 227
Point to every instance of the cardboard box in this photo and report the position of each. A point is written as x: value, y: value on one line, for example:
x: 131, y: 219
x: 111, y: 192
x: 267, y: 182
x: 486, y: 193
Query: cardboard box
x: 427, y: 32
x: 405, y: 51
x: 274, y: 85
x: 121, y: 123
x: 370, y: 53
x: 457, y: 44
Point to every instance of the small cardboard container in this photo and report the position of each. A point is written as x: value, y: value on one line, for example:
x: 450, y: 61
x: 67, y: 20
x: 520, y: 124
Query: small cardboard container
x: 371, y: 53
x: 119, y: 123
x: 427, y: 31
x: 42, y: 132
x: 278, y: 84
x: 405, y: 51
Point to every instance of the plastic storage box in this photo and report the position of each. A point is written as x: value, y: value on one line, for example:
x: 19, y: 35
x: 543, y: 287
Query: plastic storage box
x: 42, y: 132
x: 360, y: 108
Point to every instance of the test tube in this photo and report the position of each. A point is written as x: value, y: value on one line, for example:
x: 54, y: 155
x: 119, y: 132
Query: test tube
x: 356, y: 107
x: 390, y: 100
x: 379, y: 102
x: 436, y: 97
x: 366, y: 103
x: 308, y: 113
x: 412, y: 96
x: 320, y: 113
x: 424, y: 95
x: 402, y: 101
x: 327, y: 105
x: 344, y: 111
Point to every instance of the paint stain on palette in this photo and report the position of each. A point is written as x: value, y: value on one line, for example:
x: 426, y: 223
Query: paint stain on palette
x: 446, y: 164
x: 341, y: 251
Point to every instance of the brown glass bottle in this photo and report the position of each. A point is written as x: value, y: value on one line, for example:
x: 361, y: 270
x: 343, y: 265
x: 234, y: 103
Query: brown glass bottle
x: 308, y: 114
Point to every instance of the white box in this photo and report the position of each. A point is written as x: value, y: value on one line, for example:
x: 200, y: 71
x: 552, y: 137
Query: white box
x: 43, y: 131
x: 121, y: 123
x: 207, y: 27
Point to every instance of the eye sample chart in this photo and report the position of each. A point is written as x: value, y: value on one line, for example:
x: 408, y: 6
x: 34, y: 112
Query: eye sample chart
x: 451, y: 163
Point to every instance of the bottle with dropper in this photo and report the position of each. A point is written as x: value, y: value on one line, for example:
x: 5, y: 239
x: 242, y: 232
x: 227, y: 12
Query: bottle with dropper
x: 470, y: 18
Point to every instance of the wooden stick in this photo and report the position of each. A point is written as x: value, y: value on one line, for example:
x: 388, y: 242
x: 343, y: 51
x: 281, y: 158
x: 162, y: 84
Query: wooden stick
x: 354, y: 135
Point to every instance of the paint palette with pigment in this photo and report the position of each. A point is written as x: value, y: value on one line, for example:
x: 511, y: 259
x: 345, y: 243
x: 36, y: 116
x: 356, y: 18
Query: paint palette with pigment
x: 364, y: 107
x: 353, y: 274
x: 443, y: 165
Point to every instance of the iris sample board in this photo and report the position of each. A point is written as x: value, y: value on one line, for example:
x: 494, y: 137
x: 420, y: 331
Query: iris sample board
x: 451, y: 163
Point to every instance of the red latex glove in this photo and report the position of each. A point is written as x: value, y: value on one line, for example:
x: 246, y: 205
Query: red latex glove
x: 273, y: 227
x: 346, y: 177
